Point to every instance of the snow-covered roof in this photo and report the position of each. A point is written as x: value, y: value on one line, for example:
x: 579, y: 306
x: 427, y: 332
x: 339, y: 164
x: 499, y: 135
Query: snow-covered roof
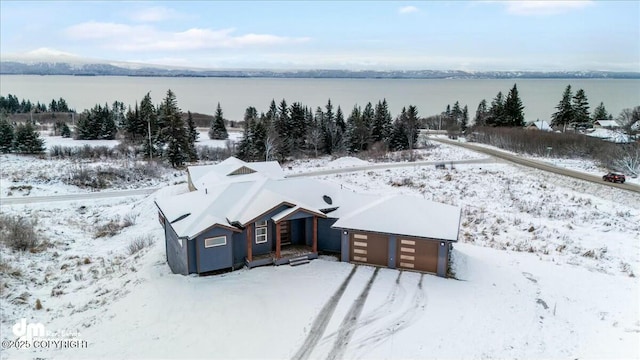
x: 607, y: 123
x: 541, y: 125
x: 242, y: 199
x: 610, y: 135
x: 232, y: 170
x: 405, y: 215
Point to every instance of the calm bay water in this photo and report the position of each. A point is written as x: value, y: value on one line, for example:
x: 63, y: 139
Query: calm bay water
x: 235, y: 94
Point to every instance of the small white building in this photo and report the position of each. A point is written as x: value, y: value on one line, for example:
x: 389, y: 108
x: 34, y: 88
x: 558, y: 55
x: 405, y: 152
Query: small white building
x: 538, y: 125
x: 606, y: 124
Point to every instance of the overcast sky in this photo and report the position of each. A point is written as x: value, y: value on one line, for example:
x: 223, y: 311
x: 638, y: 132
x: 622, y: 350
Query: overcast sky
x: 459, y: 35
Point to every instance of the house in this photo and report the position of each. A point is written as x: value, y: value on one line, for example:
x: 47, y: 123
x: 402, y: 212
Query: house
x: 538, y: 125
x: 606, y: 124
x: 240, y: 218
x: 613, y: 136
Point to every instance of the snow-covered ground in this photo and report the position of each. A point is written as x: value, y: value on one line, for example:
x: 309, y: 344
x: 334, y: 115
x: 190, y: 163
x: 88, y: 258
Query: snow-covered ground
x: 546, y: 267
x: 203, y: 139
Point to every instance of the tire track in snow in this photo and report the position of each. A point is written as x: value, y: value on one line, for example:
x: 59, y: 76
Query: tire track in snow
x: 347, y: 327
x: 322, y: 320
x: 396, y: 324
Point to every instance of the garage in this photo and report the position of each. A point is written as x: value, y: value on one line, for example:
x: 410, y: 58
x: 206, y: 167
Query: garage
x: 369, y: 248
x: 417, y: 254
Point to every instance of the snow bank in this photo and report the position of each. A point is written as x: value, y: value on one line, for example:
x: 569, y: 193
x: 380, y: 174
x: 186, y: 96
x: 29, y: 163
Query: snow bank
x: 346, y: 161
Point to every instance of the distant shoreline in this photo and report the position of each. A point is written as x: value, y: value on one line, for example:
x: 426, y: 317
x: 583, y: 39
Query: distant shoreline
x: 66, y: 69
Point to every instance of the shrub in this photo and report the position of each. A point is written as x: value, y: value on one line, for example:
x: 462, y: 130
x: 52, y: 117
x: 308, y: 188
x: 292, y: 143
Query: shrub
x: 111, y: 228
x: 19, y: 234
x: 139, y: 243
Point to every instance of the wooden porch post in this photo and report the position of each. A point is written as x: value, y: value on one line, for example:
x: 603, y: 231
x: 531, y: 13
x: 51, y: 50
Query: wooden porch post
x: 249, y: 242
x: 315, y: 234
x: 278, y: 241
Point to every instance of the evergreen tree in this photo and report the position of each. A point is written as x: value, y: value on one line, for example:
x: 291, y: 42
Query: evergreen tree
x: 6, y: 135
x: 340, y: 131
x: 382, y: 123
x: 356, y: 134
x: 456, y: 113
x: 192, y: 133
x: 246, y: 145
x: 314, y: 129
x: 481, y: 114
x: 218, y: 130
x: 27, y: 140
x: 564, y: 115
x: 600, y: 113
x: 398, y: 137
x: 328, y: 126
x: 513, y: 109
x: 464, y: 123
x: 108, y: 127
x: 149, y: 122
x: 175, y: 133
x: 412, y: 126
x: 580, y: 108
x: 65, y: 132
x: 298, y: 126
x: 496, y: 111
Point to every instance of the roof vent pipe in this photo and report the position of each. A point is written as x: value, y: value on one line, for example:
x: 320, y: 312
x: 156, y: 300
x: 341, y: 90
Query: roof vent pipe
x: 205, y: 191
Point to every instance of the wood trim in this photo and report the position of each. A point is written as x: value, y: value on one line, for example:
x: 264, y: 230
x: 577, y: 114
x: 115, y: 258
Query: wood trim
x: 278, y: 241
x: 249, y: 243
x: 312, y: 213
x: 315, y: 234
x: 286, y: 203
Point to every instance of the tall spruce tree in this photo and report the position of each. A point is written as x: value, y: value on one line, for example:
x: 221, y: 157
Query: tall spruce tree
x: 496, y: 111
x: 218, y: 130
x: 513, y: 109
x: 298, y: 126
x: 174, y: 132
x: 580, y: 108
x: 481, y: 114
x: 6, y: 134
x: 464, y: 123
x: 382, y: 123
x: 564, y: 114
x: 192, y: 133
x: 246, y: 144
x: 149, y: 122
x: 600, y: 113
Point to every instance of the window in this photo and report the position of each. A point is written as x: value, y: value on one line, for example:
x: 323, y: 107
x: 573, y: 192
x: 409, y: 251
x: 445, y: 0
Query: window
x: 215, y: 241
x: 261, y: 232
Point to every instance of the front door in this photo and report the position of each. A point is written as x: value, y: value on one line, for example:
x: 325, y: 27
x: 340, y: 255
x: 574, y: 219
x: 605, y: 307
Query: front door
x: 285, y: 232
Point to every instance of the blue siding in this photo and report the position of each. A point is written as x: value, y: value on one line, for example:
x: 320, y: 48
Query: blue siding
x: 328, y: 238
x: 213, y: 258
x: 239, y: 249
x: 176, y: 254
x: 298, y: 234
x: 265, y: 248
x: 193, y: 261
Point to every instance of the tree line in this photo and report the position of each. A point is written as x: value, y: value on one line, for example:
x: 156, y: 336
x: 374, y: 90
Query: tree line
x: 13, y: 105
x: 287, y: 130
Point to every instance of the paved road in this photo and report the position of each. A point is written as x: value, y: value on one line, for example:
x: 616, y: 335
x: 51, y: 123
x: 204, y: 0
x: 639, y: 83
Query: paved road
x: 72, y: 197
x: 541, y: 165
x: 388, y: 166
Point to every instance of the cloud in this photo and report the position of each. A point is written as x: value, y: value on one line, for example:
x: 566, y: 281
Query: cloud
x: 408, y: 10
x: 148, y: 38
x: 544, y: 7
x: 154, y: 14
